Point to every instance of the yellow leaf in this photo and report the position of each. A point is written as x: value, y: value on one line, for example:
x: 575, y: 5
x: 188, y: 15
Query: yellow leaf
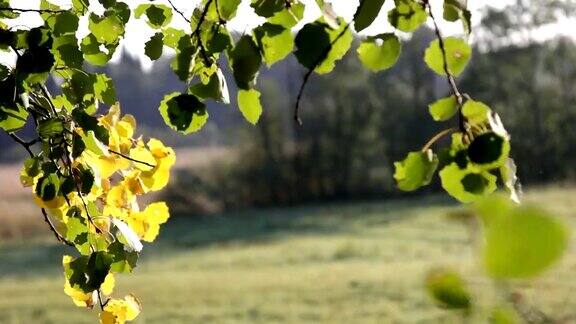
x: 108, y: 285
x: 118, y: 311
x: 147, y: 223
x: 141, y: 154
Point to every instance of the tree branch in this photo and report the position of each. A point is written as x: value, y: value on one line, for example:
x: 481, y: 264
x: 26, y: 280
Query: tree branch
x: 180, y: 12
x: 33, y: 10
x: 197, y: 30
x: 131, y: 159
x: 450, y: 78
x: 308, y: 74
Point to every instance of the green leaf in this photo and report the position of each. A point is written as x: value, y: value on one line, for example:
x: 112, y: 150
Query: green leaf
x: 468, y: 184
x: 104, y: 89
x: 107, y: 29
x: 153, y: 47
x: 66, y: 52
x: 444, y: 108
x: 416, y: 170
x: 267, y: 8
x: 522, y: 242
x: 47, y: 187
x: 184, y: 59
x: 448, y: 289
x: 158, y: 15
x: 245, y: 61
x: 489, y: 150
x: 172, y: 36
x: 36, y: 60
x: 183, y: 112
x: 319, y: 46
x: 216, y: 88
x: 50, y: 128
x: 275, y: 41
x: 380, y: 52
x: 407, y: 16
x: 226, y: 10
x: 458, y: 53
x: 92, y: 53
x: 80, y: 6
x: 288, y: 17
x: 455, y: 10
x: 504, y: 315
x: 93, y: 144
x: 123, y: 261
x: 475, y: 112
x: 13, y: 116
x: 65, y: 23
x: 367, y: 12
x: 312, y: 42
x: 249, y: 105
x: 90, y: 123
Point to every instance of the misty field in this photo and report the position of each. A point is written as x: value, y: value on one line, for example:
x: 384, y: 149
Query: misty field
x: 334, y: 263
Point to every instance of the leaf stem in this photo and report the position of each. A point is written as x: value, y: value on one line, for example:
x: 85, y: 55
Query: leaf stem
x: 437, y: 137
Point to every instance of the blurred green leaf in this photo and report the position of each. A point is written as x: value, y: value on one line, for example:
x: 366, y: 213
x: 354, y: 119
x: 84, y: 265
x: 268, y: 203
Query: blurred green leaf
x: 444, y: 108
x: 407, y: 15
x: 457, y: 51
x: 448, y: 289
x: 367, y: 12
x: 416, y: 170
x: 183, y: 112
x: 522, y: 242
x: 380, y: 52
x: 250, y: 106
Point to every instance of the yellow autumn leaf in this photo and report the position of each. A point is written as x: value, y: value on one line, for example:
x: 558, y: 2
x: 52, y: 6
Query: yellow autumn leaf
x: 165, y: 157
x: 141, y: 154
x: 118, y: 311
x: 108, y: 285
x: 147, y: 223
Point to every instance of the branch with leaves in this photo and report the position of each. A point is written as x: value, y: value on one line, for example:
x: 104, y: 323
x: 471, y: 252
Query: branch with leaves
x: 91, y: 169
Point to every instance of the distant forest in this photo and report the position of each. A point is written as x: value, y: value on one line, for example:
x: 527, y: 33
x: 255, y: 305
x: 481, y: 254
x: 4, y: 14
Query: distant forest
x: 356, y: 123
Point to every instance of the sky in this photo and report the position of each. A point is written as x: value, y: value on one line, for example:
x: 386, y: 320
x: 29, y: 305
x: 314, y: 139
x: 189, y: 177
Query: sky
x: 138, y: 32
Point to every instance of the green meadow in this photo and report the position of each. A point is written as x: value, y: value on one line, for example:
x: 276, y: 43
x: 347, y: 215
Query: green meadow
x: 333, y: 263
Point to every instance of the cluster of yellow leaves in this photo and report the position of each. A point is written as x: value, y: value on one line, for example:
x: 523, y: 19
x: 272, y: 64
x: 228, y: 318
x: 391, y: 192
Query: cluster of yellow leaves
x: 123, y: 169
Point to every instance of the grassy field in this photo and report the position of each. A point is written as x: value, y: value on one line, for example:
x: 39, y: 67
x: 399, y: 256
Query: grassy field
x: 340, y: 263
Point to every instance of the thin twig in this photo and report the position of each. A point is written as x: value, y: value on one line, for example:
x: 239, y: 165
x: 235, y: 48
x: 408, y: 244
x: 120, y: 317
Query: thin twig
x: 450, y: 78
x: 59, y: 236
x: 24, y: 144
x: 131, y: 159
x: 197, y: 30
x: 437, y: 137
x: 308, y: 74
x: 33, y: 10
x: 180, y: 12
x: 319, y: 61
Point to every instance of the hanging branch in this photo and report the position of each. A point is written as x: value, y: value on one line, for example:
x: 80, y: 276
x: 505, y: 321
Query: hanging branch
x: 180, y: 12
x: 319, y: 61
x: 308, y: 74
x: 449, y: 77
x: 26, y: 146
x: 197, y: 31
x: 40, y: 11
